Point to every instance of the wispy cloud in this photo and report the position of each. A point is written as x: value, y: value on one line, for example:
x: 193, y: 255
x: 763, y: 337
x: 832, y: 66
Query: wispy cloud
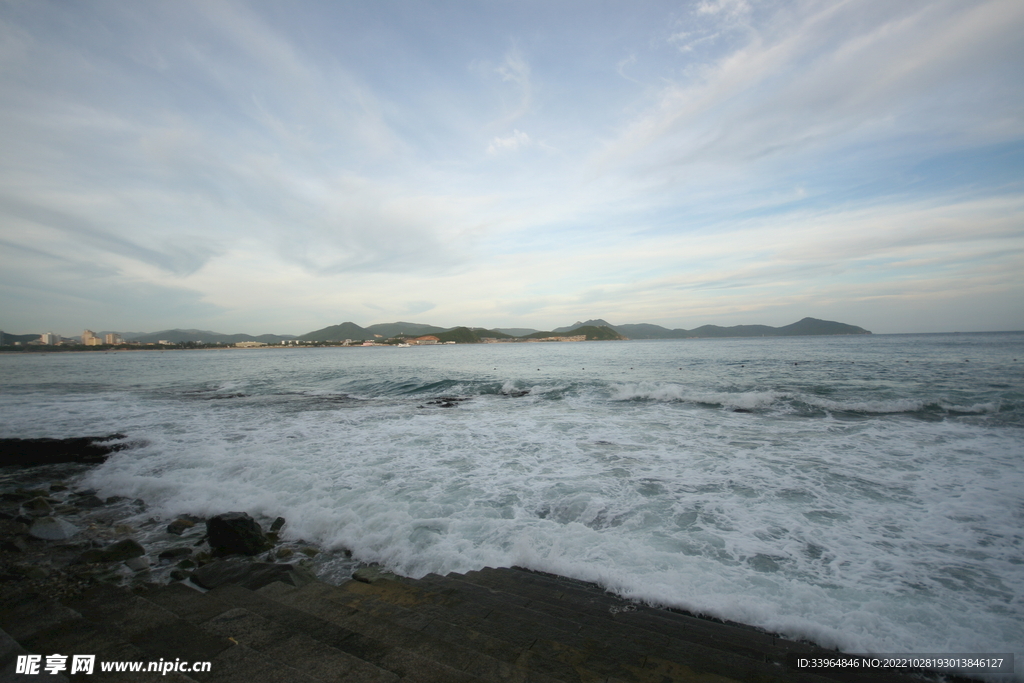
x: 229, y: 161
x: 510, y: 143
x: 515, y: 71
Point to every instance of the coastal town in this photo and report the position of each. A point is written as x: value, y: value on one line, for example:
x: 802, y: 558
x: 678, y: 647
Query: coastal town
x: 114, y: 340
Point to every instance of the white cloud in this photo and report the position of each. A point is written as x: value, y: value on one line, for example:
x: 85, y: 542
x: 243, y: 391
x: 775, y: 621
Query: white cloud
x: 510, y: 143
x: 515, y: 70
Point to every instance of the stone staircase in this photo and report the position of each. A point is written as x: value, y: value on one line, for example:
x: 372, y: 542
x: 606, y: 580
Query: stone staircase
x: 490, y: 625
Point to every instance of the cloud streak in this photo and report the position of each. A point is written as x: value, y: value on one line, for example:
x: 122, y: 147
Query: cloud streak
x: 725, y: 162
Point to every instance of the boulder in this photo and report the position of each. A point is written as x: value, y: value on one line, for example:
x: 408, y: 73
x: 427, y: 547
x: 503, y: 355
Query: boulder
x: 251, y: 575
x: 174, y: 554
x: 235, y: 532
x: 52, y: 529
x: 372, y: 575
x: 37, y: 507
x: 89, y: 502
x: 137, y: 564
x: 179, y: 526
x: 31, y: 452
x: 115, y: 552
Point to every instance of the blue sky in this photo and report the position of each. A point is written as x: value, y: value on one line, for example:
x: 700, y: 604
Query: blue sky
x: 279, y: 167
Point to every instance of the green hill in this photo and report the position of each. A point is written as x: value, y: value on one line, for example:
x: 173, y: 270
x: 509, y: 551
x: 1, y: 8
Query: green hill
x: 602, y: 333
x: 815, y: 326
x: 338, y: 333
x: 466, y: 335
x: 807, y: 326
x: 8, y: 339
x: 388, y: 330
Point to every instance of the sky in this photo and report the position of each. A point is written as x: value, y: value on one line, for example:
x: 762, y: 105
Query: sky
x: 270, y: 167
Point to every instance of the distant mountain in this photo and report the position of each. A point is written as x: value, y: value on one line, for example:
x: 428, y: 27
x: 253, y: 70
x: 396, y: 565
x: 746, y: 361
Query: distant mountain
x: 734, y: 331
x: 337, y: 333
x: 648, y: 331
x: 578, y: 324
x: 593, y: 333
x: 466, y: 335
x: 807, y: 326
x: 388, y: 330
x: 594, y: 329
x: 516, y: 331
x: 815, y: 326
x: 7, y: 338
x: 205, y: 336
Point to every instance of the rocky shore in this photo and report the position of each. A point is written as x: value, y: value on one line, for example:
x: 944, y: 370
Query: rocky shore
x: 56, y: 540
x: 83, y: 574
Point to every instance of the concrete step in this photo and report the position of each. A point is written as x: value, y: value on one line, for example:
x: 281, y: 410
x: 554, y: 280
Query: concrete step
x: 10, y: 650
x: 597, y: 658
x: 118, y: 626
x: 491, y: 658
x: 302, y: 652
x: 44, y: 627
x: 530, y: 636
x: 157, y: 632
x: 381, y: 644
x: 616, y: 643
x: 609, y: 648
x: 598, y: 609
x: 588, y: 604
x: 574, y: 599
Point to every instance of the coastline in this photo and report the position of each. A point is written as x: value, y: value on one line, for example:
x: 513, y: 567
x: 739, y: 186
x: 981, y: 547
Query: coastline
x: 74, y: 570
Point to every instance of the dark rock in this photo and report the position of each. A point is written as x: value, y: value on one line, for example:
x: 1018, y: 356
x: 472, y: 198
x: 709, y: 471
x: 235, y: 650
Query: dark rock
x: 172, y: 554
x: 372, y: 575
x: 179, y: 526
x: 277, y: 525
x: 116, y: 552
x: 58, y: 487
x: 32, y: 452
x: 251, y: 575
x: 10, y: 528
x: 178, y: 575
x: 37, y: 507
x: 235, y: 532
x: 52, y: 529
x: 137, y: 564
x: 13, y: 545
x: 89, y: 502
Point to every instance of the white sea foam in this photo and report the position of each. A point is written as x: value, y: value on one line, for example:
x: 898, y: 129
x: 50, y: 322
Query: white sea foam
x: 884, y: 534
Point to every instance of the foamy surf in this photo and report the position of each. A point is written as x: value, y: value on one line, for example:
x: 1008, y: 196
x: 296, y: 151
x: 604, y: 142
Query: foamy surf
x: 851, y: 509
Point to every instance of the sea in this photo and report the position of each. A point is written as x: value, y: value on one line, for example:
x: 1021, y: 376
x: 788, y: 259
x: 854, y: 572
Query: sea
x: 862, y: 492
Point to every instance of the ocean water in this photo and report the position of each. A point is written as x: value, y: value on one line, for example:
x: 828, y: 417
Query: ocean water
x: 865, y: 492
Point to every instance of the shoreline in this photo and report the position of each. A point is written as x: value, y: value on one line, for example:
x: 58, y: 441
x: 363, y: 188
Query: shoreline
x: 67, y: 569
